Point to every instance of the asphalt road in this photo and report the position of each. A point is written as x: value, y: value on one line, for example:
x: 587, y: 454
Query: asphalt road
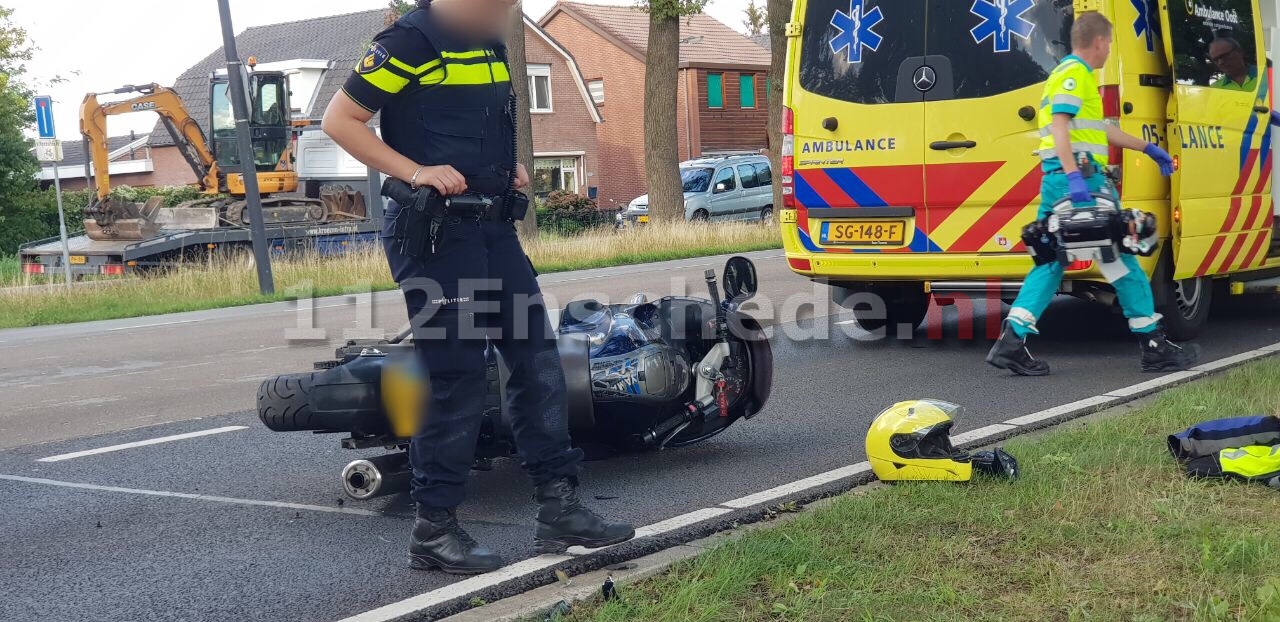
x: 113, y: 553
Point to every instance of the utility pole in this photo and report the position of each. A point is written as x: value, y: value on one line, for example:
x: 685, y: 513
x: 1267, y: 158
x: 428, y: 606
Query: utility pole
x: 240, y: 106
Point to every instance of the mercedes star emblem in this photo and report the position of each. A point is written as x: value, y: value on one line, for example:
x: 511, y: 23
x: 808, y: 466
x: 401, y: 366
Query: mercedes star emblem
x: 925, y: 78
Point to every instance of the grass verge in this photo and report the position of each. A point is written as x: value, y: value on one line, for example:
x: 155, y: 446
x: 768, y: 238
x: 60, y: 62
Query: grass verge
x: 229, y: 283
x: 1102, y: 526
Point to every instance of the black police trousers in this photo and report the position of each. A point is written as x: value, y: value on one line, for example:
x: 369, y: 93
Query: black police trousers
x: 478, y: 288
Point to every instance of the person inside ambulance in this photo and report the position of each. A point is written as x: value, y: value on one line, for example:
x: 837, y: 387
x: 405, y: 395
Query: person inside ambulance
x: 1074, y: 151
x: 1237, y: 73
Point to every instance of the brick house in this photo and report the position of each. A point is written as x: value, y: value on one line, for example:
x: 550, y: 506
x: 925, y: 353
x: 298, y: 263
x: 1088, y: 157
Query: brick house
x: 319, y: 53
x: 721, y: 93
x: 131, y: 163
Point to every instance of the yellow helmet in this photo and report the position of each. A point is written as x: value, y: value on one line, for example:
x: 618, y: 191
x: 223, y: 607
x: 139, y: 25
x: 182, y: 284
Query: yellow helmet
x: 912, y: 441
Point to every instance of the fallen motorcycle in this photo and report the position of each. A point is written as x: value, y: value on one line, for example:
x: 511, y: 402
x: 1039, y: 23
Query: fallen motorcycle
x: 666, y: 373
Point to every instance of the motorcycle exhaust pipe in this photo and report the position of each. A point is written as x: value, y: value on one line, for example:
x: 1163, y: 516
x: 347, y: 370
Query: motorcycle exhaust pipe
x: 376, y: 477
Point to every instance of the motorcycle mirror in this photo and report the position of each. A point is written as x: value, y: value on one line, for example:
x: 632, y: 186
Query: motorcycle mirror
x: 740, y: 283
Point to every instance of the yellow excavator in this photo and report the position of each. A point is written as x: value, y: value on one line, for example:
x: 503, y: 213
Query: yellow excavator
x: 272, y: 132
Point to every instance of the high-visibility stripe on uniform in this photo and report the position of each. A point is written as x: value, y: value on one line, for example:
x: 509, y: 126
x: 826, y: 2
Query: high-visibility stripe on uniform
x: 470, y: 75
x: 465, y: 55
x: 1078, y: 125
x: 386, y: 80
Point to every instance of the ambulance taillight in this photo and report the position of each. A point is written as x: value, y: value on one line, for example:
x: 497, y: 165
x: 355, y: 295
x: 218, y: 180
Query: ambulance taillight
x: 788, y: 158
x: 1111, y: 110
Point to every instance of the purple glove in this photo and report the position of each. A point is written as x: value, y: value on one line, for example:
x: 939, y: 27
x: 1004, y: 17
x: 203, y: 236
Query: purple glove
x: 1079, y: 188
x: 1275, y: 117
x: 1161, y: 157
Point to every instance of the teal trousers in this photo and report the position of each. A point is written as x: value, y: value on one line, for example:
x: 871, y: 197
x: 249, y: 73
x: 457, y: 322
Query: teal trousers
x: 1133, y: 289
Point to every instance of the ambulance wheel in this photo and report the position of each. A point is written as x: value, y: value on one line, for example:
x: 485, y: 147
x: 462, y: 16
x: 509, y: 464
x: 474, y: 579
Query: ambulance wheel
x: 903, y: 304
x: 1186, y: 307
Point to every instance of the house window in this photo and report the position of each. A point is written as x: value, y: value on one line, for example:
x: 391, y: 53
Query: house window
x: 597, y: 91
x: 539, y: 88
x: 715, y: 90
x: 551, y: 174
x: 747, y: 90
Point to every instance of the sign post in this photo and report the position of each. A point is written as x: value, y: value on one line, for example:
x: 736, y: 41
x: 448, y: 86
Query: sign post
x: 49, y: 149
x: 240, y: 107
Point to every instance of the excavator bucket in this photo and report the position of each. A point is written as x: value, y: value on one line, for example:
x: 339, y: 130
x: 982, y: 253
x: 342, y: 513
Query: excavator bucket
x: 120, y: 220
x: 343, y: 202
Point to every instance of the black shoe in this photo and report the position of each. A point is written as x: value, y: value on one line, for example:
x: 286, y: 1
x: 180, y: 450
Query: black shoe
x: 440, y: 544
x: 564, y: 522
x: 1160, y: 354
x: 1011, y: 353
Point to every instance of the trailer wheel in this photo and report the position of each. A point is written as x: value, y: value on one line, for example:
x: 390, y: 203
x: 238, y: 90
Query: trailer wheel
x: 284, y: 402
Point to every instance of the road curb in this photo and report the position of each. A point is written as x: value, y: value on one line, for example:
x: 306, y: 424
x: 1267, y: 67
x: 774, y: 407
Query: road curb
x: 547, y: 593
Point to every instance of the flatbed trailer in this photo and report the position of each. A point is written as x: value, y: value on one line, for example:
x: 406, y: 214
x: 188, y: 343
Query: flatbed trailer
x: 168, y: 248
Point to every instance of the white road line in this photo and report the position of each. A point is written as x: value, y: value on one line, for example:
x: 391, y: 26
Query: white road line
x: 187, y: 495
x: 981, y: 433
x: 680, y: 522
x: 1231, y: 360
x: 459, y: 589
x: 1144, y: 387
x: 792, y: 488
x: 153, y: 441
x: 152, y: 325
x: 1058, y: 411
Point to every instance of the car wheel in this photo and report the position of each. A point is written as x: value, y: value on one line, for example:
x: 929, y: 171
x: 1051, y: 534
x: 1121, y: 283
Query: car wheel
x: 903, y: 304
x: 700, y: 216
x: 1186, y: 309
x: 766, y: 215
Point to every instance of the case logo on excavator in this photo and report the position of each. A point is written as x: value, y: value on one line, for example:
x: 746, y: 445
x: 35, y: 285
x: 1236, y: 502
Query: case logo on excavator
x: 139, y: 107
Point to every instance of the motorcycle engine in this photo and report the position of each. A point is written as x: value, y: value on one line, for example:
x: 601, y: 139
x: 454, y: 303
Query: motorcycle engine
x: 652, y: 372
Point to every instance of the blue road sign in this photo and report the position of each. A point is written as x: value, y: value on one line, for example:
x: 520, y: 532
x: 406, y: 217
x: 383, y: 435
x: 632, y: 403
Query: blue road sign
x: 44, y: 117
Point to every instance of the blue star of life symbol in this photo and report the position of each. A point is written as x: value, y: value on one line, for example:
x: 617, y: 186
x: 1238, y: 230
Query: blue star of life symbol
x: 1145, y: 25
x: 856, y: 30
x: 1001, y: 20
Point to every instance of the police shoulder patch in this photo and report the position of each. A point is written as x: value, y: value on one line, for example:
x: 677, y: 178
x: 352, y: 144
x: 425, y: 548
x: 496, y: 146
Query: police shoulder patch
x: 375, y: 58
x: 1069, y: 84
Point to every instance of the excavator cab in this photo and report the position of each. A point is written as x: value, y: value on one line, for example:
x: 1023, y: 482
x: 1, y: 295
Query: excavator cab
x: 270, y: 128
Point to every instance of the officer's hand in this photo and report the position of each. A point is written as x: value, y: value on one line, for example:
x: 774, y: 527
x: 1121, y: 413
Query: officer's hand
x: 522, y: 177
x: 1161, y: 157
x: 444, y: 178
x: 1079, y: 188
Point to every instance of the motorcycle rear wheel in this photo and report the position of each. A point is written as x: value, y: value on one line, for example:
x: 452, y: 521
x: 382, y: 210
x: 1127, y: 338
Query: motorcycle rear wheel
x: 284, y: 402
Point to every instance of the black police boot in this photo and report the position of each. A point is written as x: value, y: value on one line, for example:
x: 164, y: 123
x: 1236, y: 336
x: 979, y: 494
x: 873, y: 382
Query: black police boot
x: 564, y: 522
x: 440, y: 544
x: 1011, y: 353
x: 1160, y: 354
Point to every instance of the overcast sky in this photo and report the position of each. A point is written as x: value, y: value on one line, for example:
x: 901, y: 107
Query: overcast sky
x: 100, y: 46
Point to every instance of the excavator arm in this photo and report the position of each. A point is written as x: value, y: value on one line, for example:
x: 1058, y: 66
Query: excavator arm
x: 182, y: 128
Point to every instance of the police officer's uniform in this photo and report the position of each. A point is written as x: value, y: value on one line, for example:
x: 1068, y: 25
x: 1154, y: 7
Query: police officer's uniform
x: 445, y: 100
x: 1071, y: 89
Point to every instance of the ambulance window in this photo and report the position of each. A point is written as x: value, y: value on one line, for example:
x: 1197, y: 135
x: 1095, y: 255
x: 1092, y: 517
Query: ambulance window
x: 1214, y: 45
x: 859, y: 63
x: 994, y: 51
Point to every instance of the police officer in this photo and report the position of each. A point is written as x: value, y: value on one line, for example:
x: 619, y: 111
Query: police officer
x: 440, y: 80
x: 1074, y: 132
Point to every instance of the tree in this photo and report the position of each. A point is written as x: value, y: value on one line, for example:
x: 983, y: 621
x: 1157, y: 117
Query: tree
x: 779, y: 14
x: 756, y: 19
x: 524, y: 121
x: 661, y: 77
x: 396, y: 8
x: 18, y: 167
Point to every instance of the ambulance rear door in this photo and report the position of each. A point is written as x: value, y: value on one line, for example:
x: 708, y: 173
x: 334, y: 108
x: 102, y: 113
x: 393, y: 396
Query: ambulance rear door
x: 982, y: 79
x: 1220, y: 133
x: 858, y: 127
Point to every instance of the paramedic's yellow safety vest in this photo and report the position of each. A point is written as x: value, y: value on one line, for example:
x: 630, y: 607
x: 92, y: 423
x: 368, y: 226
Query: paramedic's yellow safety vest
x: 1071, y: 89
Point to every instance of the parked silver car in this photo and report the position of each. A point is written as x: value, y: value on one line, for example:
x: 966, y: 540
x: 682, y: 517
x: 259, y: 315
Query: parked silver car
x: 727, y: 188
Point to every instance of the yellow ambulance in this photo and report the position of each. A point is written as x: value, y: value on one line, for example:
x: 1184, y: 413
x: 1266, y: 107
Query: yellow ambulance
x: 909, y: 165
